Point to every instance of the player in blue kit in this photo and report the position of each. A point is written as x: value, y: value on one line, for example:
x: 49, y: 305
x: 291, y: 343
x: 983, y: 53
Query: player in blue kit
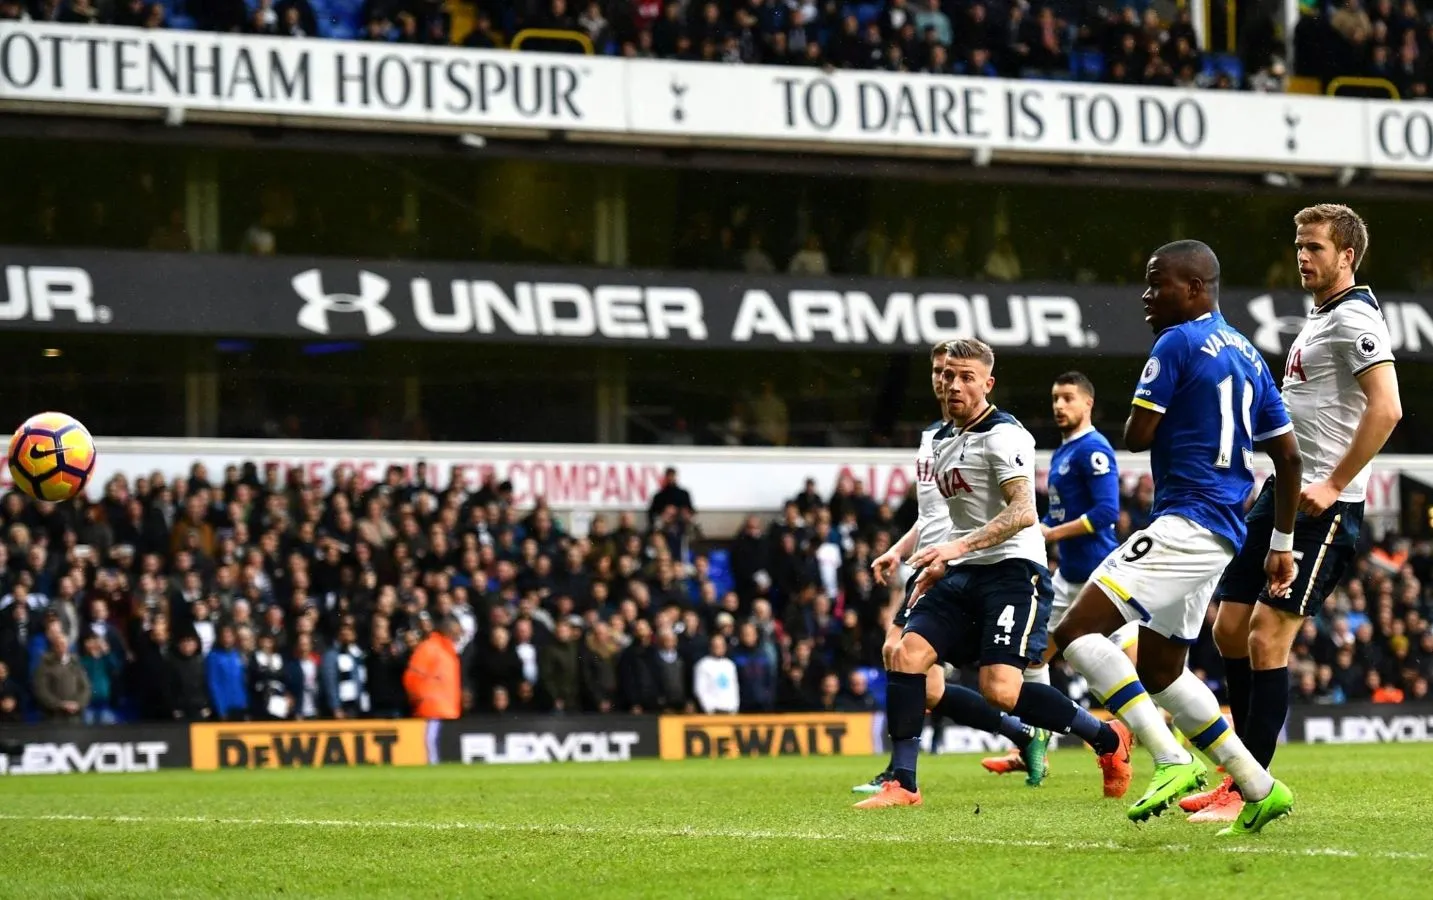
x: 1084, y: 491
x: 1204, y: 402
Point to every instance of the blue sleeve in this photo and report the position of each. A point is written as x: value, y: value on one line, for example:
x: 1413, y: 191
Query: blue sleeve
x: 1271, y: 419
x: 1103, y: 478
x: 1161, y: 376
x: 212, y: 675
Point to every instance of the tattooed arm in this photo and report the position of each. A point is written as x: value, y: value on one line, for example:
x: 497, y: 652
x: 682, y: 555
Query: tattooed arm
x: 1018, y: 514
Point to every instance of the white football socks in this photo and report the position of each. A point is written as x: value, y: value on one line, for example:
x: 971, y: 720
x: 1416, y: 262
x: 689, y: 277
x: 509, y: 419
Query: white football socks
x: 1113, y: 679
x: 1037, y: 675
x: 1196, y: 713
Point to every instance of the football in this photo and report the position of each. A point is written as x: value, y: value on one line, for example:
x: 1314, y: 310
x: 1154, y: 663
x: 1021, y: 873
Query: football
x: 51, y: 457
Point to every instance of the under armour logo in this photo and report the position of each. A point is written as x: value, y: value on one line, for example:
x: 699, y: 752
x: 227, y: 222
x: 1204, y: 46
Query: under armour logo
x: 1291, y: 122
x: 372, y: 290
x: 1269, y: 326
x: 1002, y: 639
x: 679, y: 93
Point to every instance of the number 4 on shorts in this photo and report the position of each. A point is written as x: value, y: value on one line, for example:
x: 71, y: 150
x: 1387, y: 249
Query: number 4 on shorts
x: 1007, y: 619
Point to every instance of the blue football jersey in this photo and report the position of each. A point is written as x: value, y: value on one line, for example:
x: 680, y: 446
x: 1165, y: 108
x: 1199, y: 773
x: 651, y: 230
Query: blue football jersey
x: 1217, y: 399
x: 1084, y: 485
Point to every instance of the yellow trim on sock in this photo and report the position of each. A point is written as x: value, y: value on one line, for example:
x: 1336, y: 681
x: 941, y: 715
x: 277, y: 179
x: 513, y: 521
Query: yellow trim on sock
x: 1137, y: 698
x: 1117, y: 688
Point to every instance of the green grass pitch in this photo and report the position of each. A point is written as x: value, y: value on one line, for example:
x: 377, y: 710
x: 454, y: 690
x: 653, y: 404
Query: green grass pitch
x: 729, y: 828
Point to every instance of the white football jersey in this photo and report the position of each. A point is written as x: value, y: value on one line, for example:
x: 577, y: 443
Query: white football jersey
x: 932, y: 514
x: 1341, y: 340
x: 971, y: 466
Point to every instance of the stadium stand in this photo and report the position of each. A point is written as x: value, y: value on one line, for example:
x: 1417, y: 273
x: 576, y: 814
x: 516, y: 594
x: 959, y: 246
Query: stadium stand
x: 1381, y: 51
x: 244, y: 600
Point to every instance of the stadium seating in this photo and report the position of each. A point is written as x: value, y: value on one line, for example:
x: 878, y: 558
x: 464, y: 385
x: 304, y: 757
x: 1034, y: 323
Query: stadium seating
x: 1091, y: 44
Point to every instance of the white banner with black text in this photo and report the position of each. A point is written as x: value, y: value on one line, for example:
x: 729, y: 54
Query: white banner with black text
x: 45, y: 67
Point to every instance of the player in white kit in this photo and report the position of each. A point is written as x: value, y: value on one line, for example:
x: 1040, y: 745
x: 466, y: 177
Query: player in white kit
x: 983, y: 595
x: 1341, y: 391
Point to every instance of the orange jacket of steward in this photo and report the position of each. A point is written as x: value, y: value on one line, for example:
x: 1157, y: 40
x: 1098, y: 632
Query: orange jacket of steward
x: 434, y: 679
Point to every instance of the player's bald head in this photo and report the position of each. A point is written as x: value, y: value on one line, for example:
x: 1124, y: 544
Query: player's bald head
x: 1190, y: 260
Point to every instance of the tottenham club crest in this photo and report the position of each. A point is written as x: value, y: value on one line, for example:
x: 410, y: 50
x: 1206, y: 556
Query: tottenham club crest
x: 368, y: 302
x: 679, y: 95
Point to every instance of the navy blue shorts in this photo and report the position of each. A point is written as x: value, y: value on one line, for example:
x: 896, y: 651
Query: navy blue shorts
x: 992, y: 614
x: 903, y: 615
x: 1324, y: 548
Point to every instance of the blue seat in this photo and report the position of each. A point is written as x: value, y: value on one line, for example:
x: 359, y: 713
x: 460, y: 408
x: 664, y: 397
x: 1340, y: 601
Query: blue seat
x: 1230, y: 64
x: 181, y: 22
x: 1090, y: 65
x: 876, y: 682
x: 721, y: 571
x: 866, y: 13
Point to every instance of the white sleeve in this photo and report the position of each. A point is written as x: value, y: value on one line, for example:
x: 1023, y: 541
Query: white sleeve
x: 1360, y: 337
x: 1010, y: 454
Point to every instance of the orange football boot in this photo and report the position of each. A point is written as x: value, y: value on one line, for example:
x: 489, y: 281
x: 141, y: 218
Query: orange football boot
x: 1195, y: 802
x: 891, y: 794
x: 1116, y: 764
x: 1004, y: 765
x: 1224, y: 806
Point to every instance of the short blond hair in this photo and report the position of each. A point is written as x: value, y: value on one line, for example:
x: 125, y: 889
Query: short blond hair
x: 1346, y: 227
x: 939, y: 348
x: 971, y: 348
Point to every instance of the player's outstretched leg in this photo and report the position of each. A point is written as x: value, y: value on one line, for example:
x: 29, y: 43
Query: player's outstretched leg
x: 1231, y: 636
x: 1113, y: 678
x: 966, y: 707
x: 1196, y: 712
x: 1049, y: 711
x: 1014, y: 761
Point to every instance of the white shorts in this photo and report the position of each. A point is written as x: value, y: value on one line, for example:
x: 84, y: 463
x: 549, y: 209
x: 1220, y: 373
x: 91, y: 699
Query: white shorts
x: 1065, y: 594
x: 1165, y: 575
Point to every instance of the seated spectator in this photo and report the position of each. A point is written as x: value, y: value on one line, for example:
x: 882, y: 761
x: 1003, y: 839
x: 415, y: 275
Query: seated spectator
x: 857, y: 698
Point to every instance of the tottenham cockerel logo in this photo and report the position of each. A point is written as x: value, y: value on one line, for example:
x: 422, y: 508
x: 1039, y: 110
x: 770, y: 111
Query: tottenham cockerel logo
x: 368, y: 302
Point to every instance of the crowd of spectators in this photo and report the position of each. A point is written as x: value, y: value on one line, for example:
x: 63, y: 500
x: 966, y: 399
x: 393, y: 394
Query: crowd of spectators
x: 1390, y: 40
x: 246, y: 599
x: 1124, y: 43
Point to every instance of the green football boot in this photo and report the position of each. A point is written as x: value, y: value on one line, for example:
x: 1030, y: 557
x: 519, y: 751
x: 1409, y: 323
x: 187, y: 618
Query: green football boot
x: 1033, y: 754
x: 874, y: 785
x: 1170, y: 782
x: 1258, y: 813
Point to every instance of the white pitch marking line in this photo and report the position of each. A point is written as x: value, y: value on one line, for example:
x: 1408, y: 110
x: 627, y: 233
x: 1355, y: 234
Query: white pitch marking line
x: 714, y: 833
